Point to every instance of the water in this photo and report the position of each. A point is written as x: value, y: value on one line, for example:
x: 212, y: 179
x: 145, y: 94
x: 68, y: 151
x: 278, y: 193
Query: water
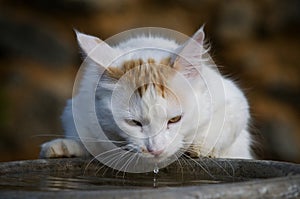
x: 52, y: 181
x: 156, y: 169
x: 77, y: 174
x: 70, y: 178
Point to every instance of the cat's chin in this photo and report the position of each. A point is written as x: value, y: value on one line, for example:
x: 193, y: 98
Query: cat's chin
x: 156, y: 158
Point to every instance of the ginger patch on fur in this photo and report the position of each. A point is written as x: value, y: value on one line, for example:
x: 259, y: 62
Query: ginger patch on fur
x: 142, y: 74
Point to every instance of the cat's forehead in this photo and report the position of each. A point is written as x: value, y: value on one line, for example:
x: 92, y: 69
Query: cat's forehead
x: 144, y: 75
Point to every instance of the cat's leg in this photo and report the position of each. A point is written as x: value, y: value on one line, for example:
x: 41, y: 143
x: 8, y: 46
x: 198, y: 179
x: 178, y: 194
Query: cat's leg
x: 241, y: 148
x: 63, y: 148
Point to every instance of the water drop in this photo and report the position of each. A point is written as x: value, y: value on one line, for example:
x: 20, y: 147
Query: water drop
x: 155, y: 171
x: 154, y: 182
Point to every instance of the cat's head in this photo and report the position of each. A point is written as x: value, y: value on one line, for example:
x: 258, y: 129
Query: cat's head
x: 152, y: 99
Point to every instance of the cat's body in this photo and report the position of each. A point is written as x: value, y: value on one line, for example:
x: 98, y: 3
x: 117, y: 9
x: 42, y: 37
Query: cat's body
x: 169, y: 98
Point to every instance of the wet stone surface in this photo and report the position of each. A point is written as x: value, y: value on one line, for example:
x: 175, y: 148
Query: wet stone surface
x: 208, y: 178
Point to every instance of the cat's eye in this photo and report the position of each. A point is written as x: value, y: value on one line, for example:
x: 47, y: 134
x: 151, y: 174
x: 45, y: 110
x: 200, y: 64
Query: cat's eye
x: 134, y: 123
x: 174, y: 119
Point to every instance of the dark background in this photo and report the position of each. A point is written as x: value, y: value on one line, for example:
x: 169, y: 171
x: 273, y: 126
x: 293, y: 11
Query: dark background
x: 257, y: 43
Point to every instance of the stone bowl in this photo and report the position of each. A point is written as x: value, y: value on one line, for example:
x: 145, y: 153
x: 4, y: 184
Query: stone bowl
x: 197, y: 178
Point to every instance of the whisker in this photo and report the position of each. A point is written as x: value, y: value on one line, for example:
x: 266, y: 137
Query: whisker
x: 103, y: 153
x: 108, y: 164
x: 136, y: 159
x: 86, y: 139
x: 107, y: 157
x: 127, y: 164
x: 220, y: 166
x: 122, y: 157
x: 189, y: 164
x: 215, y: 162
x: 197, y: 163
x: 191, y: 151
x: 178, y: 160
x: 104, y: 141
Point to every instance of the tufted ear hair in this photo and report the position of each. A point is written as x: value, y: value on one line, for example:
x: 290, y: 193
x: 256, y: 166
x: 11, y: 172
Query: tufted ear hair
x: 96, y: 49
x: 189, y: 58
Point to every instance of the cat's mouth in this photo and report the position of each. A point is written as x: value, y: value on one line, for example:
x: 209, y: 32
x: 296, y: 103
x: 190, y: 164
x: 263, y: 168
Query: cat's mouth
x: 148, y: 153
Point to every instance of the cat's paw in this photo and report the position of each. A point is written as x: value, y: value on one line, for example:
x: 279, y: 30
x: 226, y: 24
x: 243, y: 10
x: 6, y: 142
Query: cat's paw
x: 62, y: 148
x: 194, y: 151
x: 193, y: 154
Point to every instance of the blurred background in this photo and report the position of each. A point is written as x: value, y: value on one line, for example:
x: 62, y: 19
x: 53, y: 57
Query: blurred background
x: 256, y: 43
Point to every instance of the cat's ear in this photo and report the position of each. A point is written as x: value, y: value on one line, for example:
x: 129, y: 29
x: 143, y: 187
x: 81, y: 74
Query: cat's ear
x: 87, y: 42
x: 96, y: 49
x: 189, y: 56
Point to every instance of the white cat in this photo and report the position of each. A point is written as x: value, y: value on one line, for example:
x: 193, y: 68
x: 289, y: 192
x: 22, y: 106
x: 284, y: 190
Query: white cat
x: 156, y: 98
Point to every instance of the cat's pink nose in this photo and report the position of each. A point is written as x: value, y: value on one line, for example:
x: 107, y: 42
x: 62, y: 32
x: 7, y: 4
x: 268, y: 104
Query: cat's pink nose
x: 154, y: 152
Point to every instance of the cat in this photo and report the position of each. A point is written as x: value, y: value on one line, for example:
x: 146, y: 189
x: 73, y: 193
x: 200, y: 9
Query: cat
x: 156, y: 98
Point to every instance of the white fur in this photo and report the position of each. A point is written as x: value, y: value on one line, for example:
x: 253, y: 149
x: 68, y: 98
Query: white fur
x: 215, y: 116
